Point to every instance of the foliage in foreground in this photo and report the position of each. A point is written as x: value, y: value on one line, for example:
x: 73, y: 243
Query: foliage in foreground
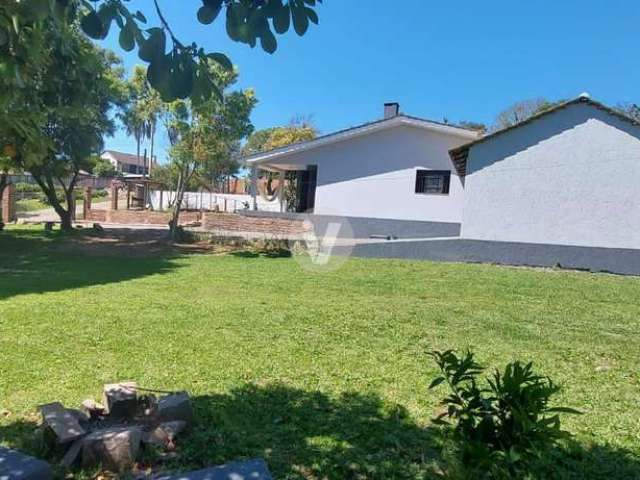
x: 178, y: 74
x: 70, y: 98
x: 501, y: 428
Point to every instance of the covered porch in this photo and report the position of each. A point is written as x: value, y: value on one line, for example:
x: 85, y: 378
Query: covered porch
x: 292, y: 186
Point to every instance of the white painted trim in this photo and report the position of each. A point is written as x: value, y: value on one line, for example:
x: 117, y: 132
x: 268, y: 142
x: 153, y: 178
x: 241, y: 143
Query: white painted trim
x: 330, y: 139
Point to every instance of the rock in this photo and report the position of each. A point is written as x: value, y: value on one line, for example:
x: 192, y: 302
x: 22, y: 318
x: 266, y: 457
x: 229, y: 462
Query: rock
x: 148, y: 404
x: 63, y: 424
x: 165, y: 433
x: 92, y: 408
x: 176, y: 406
x: 120, y: 399
x: 116, y: 449
x: 15, y: 465
x: 249, y: 470
x: 81, y: 416
x: 72, y: 454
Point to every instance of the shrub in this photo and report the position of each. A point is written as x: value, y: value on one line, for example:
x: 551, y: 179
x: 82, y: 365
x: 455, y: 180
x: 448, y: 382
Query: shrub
x: 22, y: 187
x: 498, y: 429
x: 100, y: 193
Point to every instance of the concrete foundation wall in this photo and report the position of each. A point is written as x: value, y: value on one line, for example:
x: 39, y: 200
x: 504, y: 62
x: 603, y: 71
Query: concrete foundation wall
x: 611, y: 260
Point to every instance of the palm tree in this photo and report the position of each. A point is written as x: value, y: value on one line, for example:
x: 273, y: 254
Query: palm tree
x: 145, y: 107
x: 134, y: 127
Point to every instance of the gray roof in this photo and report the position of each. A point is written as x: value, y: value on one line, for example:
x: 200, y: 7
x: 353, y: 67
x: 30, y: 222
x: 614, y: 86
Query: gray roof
x: 126, y: 158
x: 460, y: 155
x: 362, y: 127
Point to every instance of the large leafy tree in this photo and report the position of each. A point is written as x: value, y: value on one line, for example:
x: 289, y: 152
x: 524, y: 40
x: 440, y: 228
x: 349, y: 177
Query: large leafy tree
x: 204, y: 136
x: 298, y: 130
x: 521, y: 111
x: 177, y: 68
x: 70, y: 99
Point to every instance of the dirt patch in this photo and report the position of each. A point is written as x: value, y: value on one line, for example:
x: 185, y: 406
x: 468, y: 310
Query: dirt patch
x: 137, y: 243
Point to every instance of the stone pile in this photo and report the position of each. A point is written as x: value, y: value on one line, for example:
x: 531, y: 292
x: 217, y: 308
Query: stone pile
x: 110, y: 434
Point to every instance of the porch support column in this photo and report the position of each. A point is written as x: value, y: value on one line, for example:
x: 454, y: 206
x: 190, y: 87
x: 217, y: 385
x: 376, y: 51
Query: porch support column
x: 86, y: 204
x: 254, y: 188
x: 281, y: 198
x: 114, y: 197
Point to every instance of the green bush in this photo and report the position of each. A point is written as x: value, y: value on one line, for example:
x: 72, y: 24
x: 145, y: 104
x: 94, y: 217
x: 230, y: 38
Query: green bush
x: 501, y: 428
x: 22, y: 187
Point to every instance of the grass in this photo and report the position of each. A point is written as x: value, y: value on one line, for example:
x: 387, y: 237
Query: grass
x: 30, y: 205
x: 322, y: 374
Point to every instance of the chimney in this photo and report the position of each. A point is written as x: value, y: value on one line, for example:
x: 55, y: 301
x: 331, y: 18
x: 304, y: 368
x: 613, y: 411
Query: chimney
x: 391, y: 110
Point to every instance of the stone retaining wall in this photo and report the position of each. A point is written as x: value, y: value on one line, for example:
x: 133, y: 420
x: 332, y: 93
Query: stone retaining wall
x: 240, y: 223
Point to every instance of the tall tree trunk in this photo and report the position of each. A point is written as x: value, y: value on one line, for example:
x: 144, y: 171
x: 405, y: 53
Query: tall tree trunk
x: 138, y: 140
x: 175, y: 210
x: 152, y: 137
x: 46, y: 183
x: 3, y: 184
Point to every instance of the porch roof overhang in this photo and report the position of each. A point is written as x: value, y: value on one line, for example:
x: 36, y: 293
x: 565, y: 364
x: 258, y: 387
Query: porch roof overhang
x: 276, y: 159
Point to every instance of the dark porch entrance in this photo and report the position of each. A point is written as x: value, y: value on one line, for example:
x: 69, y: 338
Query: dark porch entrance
x: 306, y: 189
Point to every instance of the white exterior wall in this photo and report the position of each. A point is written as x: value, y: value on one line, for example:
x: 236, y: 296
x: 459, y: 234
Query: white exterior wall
x: 110, y: 158
x: 225, y: 202
x: 374, y: 175
x: 570, y: 178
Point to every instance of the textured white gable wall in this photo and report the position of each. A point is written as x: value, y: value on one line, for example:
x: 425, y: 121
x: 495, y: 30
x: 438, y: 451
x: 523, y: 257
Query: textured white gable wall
x: 374, y: 175
x: 571, y: 178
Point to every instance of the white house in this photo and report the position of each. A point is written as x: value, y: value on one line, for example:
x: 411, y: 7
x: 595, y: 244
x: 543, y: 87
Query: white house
x: 128, y: 163
x: 395, y: 168
x: 568, y: 176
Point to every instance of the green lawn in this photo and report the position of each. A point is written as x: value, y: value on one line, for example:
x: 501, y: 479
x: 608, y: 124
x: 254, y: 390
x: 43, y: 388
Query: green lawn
x: 30, y: 205
x: 324, y: 375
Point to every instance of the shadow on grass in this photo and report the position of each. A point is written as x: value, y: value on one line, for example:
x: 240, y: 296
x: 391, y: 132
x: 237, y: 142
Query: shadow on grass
x: 32, y: 261
x: 308, y: 435
x: 305, y: 434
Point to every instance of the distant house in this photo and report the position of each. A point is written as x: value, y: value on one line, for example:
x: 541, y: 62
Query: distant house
x: 127, y: 163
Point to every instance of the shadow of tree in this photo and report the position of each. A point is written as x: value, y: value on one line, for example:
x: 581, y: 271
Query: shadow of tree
x: 32, y: 261
x: 308, y: 435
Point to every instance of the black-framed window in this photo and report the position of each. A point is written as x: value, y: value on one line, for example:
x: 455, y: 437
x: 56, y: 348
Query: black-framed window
x: 433, y: 181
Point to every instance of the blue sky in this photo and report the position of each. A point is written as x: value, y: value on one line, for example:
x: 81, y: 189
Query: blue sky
x: 459, y: 59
